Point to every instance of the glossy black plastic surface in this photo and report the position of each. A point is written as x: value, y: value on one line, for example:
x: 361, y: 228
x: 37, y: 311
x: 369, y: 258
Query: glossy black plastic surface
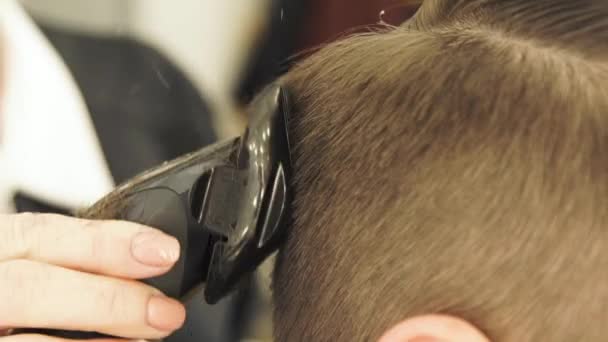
x: 228, y: 204
x: 254, y: 218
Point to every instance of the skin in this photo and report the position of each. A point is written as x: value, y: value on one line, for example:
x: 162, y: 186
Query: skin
x: 65, y: 273
x: 59, y: 272
x: 433, y: 328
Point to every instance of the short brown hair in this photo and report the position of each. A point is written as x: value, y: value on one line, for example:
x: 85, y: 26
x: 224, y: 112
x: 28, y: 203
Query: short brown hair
x: 456, y: 165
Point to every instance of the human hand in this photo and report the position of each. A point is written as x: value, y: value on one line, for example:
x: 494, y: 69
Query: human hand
x: 58, y: 272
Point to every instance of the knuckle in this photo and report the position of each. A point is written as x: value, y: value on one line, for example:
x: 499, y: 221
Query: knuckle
x: 28, y: 220
x: 114, y: 301
x: 98, y: 245
x: 22, y: 288
x: 16, y: 277
x: 21, y: 233
x: 97, y: 241
x: 17, y: 273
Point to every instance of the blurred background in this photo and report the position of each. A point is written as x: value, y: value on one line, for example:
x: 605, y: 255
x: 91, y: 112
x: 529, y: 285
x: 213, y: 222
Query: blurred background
x: 94, y: 92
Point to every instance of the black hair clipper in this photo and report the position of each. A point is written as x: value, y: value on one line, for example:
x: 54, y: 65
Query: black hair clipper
x: 227, y: 204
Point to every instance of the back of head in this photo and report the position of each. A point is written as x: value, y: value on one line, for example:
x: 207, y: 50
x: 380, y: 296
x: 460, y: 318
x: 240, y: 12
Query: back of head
x: 455, y: 165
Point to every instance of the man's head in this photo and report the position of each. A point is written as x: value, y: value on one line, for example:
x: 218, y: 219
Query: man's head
x: 455, y: 167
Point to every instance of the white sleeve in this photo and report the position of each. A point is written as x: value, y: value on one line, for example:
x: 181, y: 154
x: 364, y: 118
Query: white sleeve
x: 48, y: 145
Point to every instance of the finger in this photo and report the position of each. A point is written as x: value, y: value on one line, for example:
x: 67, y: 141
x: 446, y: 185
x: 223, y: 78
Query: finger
x: 115, y: 248
x: 36, y: 295
x: 42, y: 338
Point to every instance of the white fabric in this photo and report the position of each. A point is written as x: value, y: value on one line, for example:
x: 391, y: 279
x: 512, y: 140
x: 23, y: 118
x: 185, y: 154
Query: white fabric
x: 49, y: 148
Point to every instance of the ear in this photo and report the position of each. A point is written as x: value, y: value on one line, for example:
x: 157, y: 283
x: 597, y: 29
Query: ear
x: 433, y: 328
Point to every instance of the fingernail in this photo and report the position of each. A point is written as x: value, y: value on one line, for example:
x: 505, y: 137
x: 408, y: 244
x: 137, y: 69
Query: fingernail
x: 155, y: 249
x: 165, y: 314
